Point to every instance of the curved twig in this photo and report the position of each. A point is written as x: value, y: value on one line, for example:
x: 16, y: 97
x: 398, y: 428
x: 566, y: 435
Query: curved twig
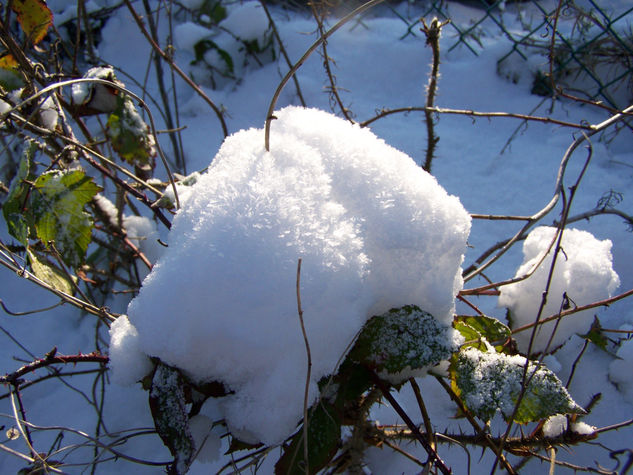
x: 306, y: 55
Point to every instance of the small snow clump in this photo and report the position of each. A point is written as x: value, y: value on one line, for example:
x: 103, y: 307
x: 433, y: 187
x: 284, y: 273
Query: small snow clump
x: 374, y: 231
x: 583, y: 271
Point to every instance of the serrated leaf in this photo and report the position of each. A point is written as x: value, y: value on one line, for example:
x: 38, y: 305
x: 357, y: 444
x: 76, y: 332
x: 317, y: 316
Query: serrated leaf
x: 168, y: 406
x: 403, y: 340
x: 15, y: 208
x: 596, y: 336
x: 34, y: 17
x: 57, y: 203
x: 491, y: 382
x: 50, y: 274
x: 130, y: 135
x: 324, y: 436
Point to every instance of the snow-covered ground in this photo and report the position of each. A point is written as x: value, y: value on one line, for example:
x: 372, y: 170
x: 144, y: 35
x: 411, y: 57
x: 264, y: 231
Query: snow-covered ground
x: 376, y: 66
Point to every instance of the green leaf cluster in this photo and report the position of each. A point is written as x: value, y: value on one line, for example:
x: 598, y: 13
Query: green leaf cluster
x: 51, y: 208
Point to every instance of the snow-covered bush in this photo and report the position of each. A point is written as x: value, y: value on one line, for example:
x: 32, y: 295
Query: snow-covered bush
x: 221, y: 297
x: 374, y: 232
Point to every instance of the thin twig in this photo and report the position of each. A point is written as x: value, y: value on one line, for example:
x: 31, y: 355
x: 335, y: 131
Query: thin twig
x: 303, y: 59
x: 309, y: 370
x: 176, y: 68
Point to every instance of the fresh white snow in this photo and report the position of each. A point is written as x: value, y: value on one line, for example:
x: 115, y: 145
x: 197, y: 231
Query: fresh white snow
x: 375, y: 68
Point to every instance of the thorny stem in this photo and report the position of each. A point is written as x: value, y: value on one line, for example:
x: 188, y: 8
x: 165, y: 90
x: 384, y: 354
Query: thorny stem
x: 50, y: 359
x: 526, y: 379
x: 471, y: 419
x: 434, y: 458
x: 318, y: 16
x: 176, y: 68
x: 282, y: 49
x: 557, y: 191
x: 432, y: 33
x: 303, y: 59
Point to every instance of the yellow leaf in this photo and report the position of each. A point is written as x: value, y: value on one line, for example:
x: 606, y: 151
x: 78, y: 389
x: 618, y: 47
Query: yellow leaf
x: 51, y: 275
x: 34, y: 17
x: 8, y: 62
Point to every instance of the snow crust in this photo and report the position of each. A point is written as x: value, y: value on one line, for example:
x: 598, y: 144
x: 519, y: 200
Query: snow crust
x: 584, y: 272
x: 373, y: 230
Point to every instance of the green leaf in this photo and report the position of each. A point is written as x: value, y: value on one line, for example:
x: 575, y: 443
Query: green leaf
x: 50, y: 274
x: 490, y: 328
x: 403, y: 341
x: 168, y: 406
x: 324, y: 436
x: 57, y: 203
x: 130, y: 135
x: 489, y: 382
x: 596, y: 336
x: 202, y: 46
x: 15, y: 208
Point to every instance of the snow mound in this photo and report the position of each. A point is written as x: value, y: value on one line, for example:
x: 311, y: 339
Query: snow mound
x: 583, y: 272
x: 373, y: 230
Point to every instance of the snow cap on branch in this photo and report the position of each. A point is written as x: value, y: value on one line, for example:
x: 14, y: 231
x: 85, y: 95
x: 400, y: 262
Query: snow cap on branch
x: 374, y: 231
x: 583, y: 274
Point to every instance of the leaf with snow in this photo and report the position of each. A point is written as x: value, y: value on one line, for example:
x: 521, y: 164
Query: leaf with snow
x: 403, y: 342
x: 491, y: 382
x: 56, y: 211
x: 475, y: 329
x: 14, y: 208
x: 168, y: 405
x: 130, y: 135
x: 324, y: 436
x: 34, y: 17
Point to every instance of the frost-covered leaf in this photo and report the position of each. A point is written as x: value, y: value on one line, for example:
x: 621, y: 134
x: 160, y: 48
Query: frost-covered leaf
x: 324, y: 436
x: 403, y: 342
x: 130, y: 135
x: 491, y: 382
x: 14, y: 208
x: 50, y: 274
x: 168, y: 405
x: 56, y: 209
x: 34, y: 17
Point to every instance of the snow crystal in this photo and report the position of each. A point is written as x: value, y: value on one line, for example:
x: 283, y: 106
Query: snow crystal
x: 583, y: 272
x: 373, y: 230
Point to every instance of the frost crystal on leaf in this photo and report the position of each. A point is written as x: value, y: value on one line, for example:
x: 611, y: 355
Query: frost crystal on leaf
x: 404, y: 343
x: 491, y: 382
